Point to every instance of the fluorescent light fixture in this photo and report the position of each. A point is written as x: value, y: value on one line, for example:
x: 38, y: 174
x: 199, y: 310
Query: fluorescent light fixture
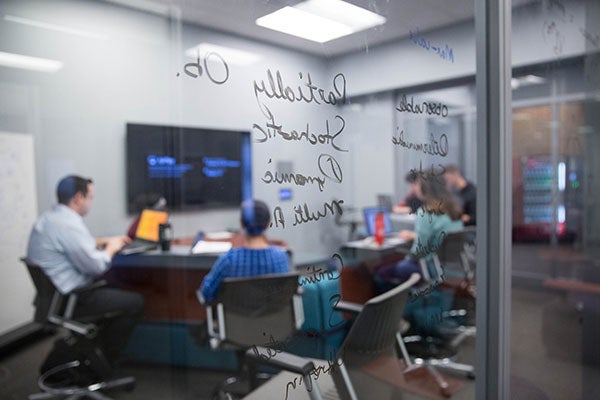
x: 27, y: 62
x: 526, y: 80
x: 321, y: 20
x: 229, y: 54
x: 562, y: 176
x: 533, y: 79
x: 54, y: 27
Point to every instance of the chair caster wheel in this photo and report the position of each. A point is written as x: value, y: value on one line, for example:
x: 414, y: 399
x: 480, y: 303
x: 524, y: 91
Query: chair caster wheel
x: 224, y: 396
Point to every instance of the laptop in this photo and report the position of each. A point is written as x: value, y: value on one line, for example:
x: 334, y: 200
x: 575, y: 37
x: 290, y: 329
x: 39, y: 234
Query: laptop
x: 146, y: 234
x: 370, y: 213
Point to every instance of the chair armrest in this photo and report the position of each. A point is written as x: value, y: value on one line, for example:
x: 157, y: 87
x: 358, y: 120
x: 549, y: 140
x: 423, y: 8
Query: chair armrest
x: 201, y: 298
x: 283, y: 360
x: 458, y: 313
x: 89, y: 330
x: 347, y: 306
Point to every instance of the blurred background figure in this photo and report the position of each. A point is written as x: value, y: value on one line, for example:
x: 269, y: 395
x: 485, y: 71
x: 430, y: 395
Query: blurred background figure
x: 465, y: 191
x: 438, y: 215
x: 411, y: 202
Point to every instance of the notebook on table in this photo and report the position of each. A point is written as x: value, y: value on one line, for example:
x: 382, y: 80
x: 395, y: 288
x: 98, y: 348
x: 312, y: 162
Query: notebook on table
x: 147, y: 232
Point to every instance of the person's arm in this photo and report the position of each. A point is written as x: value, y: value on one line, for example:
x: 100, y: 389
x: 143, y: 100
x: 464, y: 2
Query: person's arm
x: 80, y: 248
x: 212, y: 281
x: 471, y: 211
x: 407, y: 235
x: 282, y: 263
x: 400, y: 209
x: 112, y: 244
x: 470, y: 206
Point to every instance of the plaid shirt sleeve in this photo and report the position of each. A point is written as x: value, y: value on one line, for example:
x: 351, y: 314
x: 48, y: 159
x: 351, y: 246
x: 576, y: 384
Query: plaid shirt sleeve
x: 212, y: 281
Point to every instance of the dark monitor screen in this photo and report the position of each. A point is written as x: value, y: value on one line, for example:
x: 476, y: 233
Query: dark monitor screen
x: 191, y: 167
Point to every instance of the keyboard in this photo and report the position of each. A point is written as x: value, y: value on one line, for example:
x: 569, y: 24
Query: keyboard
x: 138, y: 246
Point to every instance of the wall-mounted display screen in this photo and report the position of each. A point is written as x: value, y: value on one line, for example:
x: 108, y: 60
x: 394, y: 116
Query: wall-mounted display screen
x: 190, y: 167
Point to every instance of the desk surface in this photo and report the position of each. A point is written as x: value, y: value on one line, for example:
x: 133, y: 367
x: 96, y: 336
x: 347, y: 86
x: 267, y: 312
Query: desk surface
x: 168, y: 280
x: 367, y: 250
x: 177, y: 257
x: 180, y: 256
x: 370, y: 244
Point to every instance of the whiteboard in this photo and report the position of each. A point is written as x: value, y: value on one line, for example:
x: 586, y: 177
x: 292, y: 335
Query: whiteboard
x: 18, y: 210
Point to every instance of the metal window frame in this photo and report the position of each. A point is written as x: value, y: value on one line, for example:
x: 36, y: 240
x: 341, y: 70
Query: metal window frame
x: 494, y: 202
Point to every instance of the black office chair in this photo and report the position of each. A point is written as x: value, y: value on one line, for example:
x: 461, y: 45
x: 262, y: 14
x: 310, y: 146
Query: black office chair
x: 250, y: 312
x: 443, y: 321
x: 85, y: 362
x: 366, y: 365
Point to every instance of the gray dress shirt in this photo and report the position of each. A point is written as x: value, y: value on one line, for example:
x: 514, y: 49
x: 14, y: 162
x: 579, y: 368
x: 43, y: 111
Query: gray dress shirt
x: 62, y: 245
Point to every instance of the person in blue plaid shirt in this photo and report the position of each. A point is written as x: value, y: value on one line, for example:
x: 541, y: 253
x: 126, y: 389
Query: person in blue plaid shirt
x: 255, y: 257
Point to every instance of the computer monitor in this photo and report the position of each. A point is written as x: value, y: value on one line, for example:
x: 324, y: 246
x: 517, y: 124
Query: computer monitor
x: 191, y: 167
x: 148, y: 227
x: 370, y: 213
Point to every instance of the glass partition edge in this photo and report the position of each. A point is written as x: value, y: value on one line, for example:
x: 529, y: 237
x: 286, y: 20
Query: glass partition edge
x: 493, y: 22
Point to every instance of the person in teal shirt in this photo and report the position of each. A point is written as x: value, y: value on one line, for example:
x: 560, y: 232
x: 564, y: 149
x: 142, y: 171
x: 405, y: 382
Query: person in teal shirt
x: 439, y: 215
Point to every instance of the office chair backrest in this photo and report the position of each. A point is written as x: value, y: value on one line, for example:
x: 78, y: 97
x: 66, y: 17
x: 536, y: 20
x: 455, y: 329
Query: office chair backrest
x: 452, y: 252
x: 53, y: 307
x: 46, y: 292
x: 451, y: 247
x: 372, y: 338
x: 375, y: 327
x: 258, y: 310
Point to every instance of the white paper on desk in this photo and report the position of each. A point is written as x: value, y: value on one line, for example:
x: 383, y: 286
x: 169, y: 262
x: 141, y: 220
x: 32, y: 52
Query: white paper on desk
x: 202, y: 247
x: 219, y: 235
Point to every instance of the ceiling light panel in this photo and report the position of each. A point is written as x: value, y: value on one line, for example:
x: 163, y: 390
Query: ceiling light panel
x: 321, y: 20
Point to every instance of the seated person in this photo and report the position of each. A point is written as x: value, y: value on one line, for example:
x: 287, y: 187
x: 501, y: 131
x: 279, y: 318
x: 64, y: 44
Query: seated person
x: 438, y: 215
x: 255, y: 257
x: 63, y: 247
x: 411, y: 202
x: 153, y: 201
x: 464, y: 190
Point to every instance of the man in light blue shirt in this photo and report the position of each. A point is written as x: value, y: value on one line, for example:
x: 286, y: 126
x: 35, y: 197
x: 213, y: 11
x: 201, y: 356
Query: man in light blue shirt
x: 63, y: 247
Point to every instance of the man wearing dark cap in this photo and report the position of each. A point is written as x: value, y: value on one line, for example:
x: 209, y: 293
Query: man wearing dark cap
x: 255, y: 257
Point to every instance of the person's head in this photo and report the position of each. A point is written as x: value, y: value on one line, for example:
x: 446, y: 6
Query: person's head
x: 412, y: 180
x: 76, y: 193
x: 454, y: 178
x: 152, y: 200
x: 255, y: 217
x: 436, y: 197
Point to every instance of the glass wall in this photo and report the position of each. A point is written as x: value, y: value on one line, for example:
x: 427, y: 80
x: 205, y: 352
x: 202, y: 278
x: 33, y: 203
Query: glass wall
x: 156, y: 96
x: 555, y: 125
